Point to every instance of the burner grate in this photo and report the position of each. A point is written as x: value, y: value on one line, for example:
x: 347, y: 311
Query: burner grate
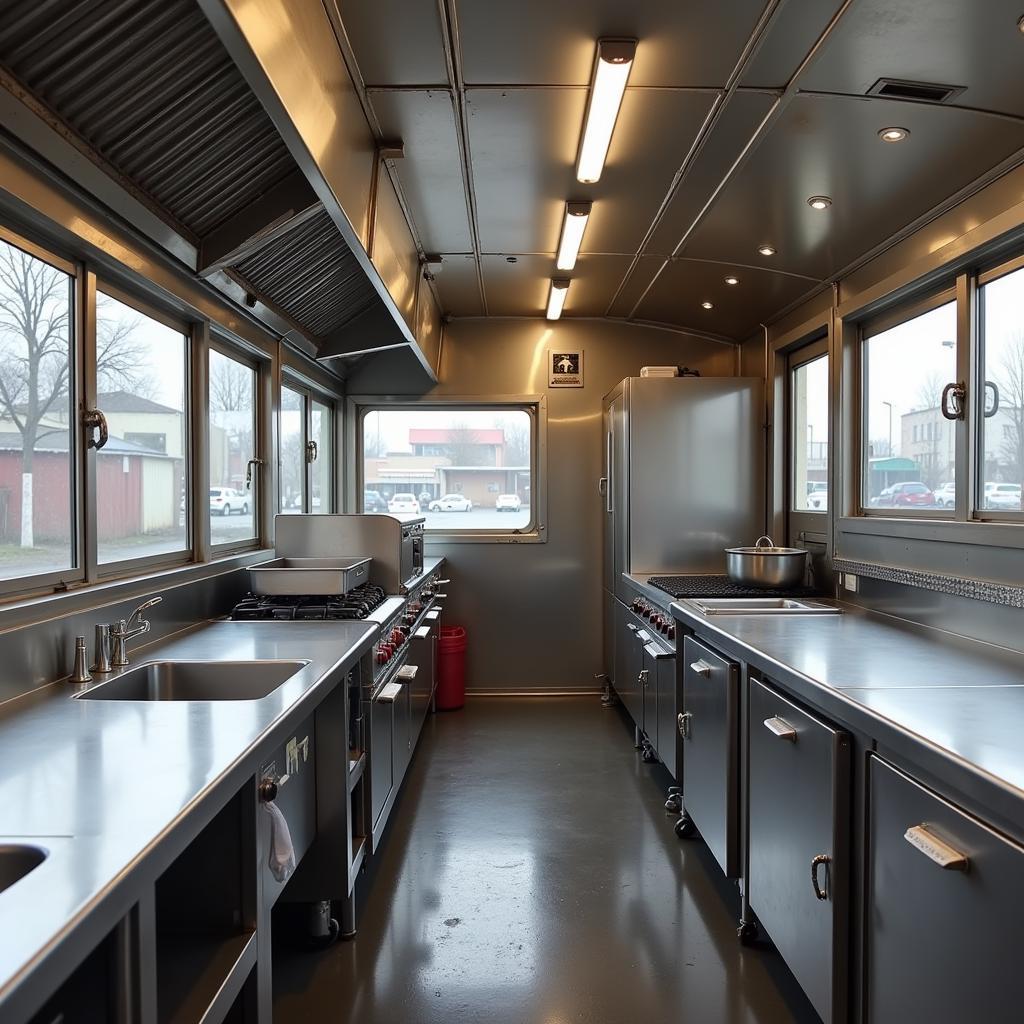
x: 358, y: 603
x: 684, y: 587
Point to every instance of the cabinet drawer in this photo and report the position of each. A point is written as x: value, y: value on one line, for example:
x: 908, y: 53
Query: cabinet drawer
x: 798, y: 834
x: 944, y: 906
x: 709, y: 727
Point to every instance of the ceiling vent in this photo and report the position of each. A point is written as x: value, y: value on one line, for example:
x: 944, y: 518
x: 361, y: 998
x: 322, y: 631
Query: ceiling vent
x: 915, y: 92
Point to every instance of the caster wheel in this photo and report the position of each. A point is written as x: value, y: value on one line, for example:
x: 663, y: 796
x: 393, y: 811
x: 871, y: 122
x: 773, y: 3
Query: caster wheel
x: 649, y: 756
x: 746, y: 932
x: 673, y: 805
x: 685, y: 829
x: 323, y: 941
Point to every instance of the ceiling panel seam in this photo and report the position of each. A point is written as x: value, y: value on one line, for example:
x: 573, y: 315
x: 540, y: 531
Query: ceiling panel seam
x: 453, y: 63
x: 714, y: 116
x: 1000, y: 115
x: 758, y: 135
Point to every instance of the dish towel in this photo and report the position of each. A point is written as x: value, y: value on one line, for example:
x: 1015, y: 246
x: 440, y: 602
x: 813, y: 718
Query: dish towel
x: 282, y: 853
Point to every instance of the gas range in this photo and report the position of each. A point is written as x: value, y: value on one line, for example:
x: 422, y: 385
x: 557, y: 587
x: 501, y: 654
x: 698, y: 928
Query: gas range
x: 358, y: 603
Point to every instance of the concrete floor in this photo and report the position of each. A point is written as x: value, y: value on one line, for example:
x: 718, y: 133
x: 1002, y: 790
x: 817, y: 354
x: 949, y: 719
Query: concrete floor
x: 531, y: 876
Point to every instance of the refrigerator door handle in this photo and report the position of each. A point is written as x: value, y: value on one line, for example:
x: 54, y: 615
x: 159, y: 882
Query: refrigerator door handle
x: 609, y: 469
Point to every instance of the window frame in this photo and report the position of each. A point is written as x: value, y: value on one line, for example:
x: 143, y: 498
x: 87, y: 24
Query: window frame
x: 216, y: 343
x: 309, y: 394
x: 535, y: 406
x: 77, y: 572
x: 102, y: 571
x: 795, y: 358
x: 896, y: 315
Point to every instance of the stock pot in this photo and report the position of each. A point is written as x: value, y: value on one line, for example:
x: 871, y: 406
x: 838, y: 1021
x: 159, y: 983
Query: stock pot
x: 767, y: 566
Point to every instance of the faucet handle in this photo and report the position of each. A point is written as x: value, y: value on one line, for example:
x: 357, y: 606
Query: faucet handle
x: 80, y: 674
x: 102, y: 664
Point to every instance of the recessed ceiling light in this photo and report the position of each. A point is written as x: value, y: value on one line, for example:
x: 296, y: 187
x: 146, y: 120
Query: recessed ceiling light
x: 573, y: 226
x: 607, y: 85
x: 556, y: 297
x: 893, y: 134
x: 766, y: 250
x: 819, y: 202
x: 708, y: 305
x: 732, y: 280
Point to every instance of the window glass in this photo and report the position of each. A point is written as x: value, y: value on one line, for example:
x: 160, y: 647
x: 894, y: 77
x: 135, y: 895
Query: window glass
x: 463, y: 469
x: 321, y: 429
x: 140, y: 385
x: 36, y: 313
x: 809, y: 404
x: 909, y: 446
x: 293, y: 455
x: 1001, y: 459
x: 232, y: 427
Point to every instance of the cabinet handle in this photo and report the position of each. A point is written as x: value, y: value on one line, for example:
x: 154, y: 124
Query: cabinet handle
x: 820, y: 891
x: 701, y: 668
x: 947, y: 857
x: 631, y: 627
x: 655, y: 653
x: 642, y: 678
x: 781, y: 728
x: 683, y: 721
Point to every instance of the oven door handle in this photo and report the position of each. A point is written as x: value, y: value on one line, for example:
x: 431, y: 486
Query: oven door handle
x: 657, y: 653
x: 389, y: 693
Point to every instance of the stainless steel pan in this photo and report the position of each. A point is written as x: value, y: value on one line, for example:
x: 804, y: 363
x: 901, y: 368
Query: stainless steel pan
x: 299, y: 576
x: 767, y: 566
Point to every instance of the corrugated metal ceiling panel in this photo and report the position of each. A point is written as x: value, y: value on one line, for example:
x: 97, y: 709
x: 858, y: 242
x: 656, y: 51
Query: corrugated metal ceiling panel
x: 311, y: 275
x: 149, y: 86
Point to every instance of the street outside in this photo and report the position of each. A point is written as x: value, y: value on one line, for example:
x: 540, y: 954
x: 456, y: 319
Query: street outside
x: 478, y: 519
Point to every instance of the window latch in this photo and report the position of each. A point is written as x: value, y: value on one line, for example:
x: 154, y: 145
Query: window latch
x: 311, y: 451
x: 93, y: 419
x: 248, y: 472
x: 954, y: 400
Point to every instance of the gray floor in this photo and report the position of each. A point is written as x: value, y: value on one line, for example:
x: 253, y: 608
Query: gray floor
x: 531, y: 876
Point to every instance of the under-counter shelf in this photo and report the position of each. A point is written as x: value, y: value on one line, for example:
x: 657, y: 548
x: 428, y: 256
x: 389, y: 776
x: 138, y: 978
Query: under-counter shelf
x: 355, y: 770
x: 206, y: 918
x: 199, y: 976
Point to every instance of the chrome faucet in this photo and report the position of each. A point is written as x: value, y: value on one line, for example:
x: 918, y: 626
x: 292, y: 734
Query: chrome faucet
x: 122, y: 632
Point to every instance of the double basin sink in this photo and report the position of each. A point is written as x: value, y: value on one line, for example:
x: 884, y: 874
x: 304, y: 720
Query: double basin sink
x: 195, y: 681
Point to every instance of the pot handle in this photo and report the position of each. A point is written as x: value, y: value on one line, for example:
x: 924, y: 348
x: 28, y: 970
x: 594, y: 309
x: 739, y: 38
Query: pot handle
x: 768, y: 543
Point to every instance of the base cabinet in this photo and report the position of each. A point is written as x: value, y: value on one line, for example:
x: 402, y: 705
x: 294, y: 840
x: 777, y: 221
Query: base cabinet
x: 798, y: 838
x: 944, y: 904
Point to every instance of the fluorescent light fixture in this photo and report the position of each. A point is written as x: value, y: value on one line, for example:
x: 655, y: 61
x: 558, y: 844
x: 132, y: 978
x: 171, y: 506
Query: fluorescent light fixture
x: 607, y: 84
x: 893, y: 134
x: 575, y: 223
x: 766, y: 250
x: 708, y: 305
x: 556, y: 297
x: 819, y: 202
x: 732, y: 280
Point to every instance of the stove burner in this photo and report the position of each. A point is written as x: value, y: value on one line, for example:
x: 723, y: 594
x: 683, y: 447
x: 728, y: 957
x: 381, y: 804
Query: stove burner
x: 356, y: 604
x: 684, y: 587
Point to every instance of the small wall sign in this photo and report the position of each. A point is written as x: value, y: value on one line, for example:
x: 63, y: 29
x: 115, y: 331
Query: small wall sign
x: 565, y: 369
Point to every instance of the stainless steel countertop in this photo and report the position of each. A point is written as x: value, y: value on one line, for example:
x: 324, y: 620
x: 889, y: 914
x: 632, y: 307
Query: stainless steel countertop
x: 952, y: 705
x: 116, y: 789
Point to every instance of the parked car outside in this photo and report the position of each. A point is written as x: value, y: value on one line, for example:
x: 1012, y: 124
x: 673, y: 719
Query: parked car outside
x: 373, y: 502
x: 817, y: 501
x: 508, y: 503
x: 945, y: 496
x: 814, y: 486
x: 909, y: 494
x: 404, y: 502
x: 1004, y: 496
x: 225, y: 500
x: 451, y: 503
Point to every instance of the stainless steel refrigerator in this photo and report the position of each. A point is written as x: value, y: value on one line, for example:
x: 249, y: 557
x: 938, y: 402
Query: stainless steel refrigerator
x: 684, y: 477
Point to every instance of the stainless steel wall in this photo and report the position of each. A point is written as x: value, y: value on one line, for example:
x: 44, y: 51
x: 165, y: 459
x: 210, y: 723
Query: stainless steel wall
x: 533, y: 611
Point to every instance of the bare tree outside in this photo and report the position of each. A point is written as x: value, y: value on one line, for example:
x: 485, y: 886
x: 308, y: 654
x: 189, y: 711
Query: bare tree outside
x: 517, y: 440
x: 1009, y: 378
x: 463, y: 446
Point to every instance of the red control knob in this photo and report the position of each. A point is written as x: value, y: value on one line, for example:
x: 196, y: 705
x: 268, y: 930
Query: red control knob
x: 670, y: 632
x: 381, y: 656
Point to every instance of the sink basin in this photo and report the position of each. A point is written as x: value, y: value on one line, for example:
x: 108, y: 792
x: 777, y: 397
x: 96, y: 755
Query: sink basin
x: 763, y: 606
x: 16, y: 861
x: 196, y: 680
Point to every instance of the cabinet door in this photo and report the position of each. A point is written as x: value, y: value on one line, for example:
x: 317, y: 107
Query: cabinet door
x: 944, y: 902
x: 653, y: 658
x: 628, y: 666
x: 798, y: 818
x: 710, y: 748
